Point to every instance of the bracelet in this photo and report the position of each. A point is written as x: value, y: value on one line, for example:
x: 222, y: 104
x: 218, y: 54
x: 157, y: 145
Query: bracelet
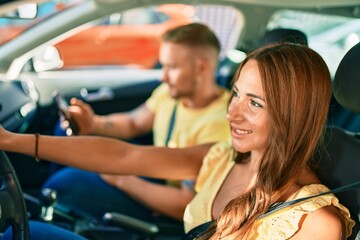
x: 37, y: 135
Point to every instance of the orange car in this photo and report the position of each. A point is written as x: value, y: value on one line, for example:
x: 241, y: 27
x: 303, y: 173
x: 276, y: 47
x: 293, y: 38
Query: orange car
x: 121, y: 43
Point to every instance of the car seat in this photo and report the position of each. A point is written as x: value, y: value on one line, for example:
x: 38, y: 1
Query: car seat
x: 339, y: 165
x: 227, y: 67
x: 283, y: 35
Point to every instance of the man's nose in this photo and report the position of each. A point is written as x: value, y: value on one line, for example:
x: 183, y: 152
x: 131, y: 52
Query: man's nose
x: 164, y: 76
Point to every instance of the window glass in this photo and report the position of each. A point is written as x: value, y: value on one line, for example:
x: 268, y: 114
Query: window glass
x: 330, y: 36
x: 150, y: 15
x: 132, y: 38
x: 128, y: 39
x: 11, y: 27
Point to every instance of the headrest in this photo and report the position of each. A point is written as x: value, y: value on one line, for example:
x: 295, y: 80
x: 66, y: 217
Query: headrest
x: 346, y: 87
x: 283, y: 35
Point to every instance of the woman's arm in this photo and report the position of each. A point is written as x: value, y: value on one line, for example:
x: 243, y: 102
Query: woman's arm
x: 106, y: 155
x: 325, y: 223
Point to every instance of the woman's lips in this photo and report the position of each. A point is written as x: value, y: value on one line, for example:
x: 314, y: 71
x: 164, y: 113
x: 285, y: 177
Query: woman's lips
x: 237, y: 132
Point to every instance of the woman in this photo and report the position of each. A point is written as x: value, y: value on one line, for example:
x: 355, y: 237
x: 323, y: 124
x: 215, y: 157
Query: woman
x: 277, y: 115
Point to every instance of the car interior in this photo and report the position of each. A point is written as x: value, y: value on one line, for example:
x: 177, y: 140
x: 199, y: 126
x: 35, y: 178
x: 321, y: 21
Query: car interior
x: 334, y: 163
x: 334, y: 166
x: 27, y: 105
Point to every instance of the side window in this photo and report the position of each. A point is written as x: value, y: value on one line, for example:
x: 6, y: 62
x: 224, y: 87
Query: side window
x: 331, y: 36
x: 12, y: 27
x: 131, y: 39
x: 137, y: 16
x: 141, y: 16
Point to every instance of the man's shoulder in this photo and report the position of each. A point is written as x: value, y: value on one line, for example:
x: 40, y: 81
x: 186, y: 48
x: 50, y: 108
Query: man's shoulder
x: 162, y: 89
x: 159, y: 96
x: 225, y: 94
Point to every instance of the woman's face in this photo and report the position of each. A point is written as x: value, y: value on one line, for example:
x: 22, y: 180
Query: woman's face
x: 247, y: 113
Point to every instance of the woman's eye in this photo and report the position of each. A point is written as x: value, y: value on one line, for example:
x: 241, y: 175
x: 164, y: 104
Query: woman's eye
x: 236, y: 94
x: 255, y: 104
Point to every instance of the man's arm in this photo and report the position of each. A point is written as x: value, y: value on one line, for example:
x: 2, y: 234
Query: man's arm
x: 167, y: 200
x: 119, y: 125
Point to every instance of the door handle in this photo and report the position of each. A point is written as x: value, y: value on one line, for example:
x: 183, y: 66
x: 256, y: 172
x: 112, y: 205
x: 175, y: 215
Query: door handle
x: 104, y: 93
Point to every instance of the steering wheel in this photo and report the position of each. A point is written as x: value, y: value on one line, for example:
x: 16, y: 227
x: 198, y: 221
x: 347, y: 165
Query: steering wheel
x: 12, y: 204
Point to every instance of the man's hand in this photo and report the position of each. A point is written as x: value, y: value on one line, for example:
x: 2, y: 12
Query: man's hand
x: 82, y: 115
x: 120, y: 181
x: 167, y: 200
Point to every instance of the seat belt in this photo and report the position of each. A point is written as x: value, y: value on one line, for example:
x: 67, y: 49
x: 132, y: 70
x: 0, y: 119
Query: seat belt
x: 202, y: 228
x: 278, y: 206
x: 187, y: 183
x: 171, y: 124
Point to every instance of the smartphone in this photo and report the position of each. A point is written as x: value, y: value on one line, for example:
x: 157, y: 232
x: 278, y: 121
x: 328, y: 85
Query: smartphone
x: 65, y: 120
x: 61, y: 102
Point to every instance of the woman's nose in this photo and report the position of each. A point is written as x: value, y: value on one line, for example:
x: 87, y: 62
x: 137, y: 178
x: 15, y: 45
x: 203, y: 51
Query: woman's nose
x: 235, y: 110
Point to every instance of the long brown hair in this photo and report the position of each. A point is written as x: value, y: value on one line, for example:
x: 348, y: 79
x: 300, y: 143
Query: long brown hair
x: 297, y: 87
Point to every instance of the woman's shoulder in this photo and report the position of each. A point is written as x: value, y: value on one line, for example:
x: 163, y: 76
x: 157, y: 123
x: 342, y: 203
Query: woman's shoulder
x: 221, y: 147
x: 218, y: 158
x: 303, y: 217
x: 219, y: 151
x: 324, y: 223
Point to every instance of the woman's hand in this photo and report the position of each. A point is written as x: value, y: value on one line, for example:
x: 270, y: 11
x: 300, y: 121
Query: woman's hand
x: 4, y: 134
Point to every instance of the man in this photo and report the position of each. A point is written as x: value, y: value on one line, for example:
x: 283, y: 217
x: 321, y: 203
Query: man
x: 183, y: 111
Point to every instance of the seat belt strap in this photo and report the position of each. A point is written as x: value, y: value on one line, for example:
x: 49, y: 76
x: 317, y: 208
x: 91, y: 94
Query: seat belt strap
x: 278, y: 206
x: 171, y: 124
x: 201, y: 229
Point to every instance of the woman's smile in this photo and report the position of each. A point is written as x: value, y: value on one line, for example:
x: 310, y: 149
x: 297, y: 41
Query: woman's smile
x: 237, y: 132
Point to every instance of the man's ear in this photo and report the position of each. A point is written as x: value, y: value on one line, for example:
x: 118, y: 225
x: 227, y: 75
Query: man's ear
x: 202, y: 65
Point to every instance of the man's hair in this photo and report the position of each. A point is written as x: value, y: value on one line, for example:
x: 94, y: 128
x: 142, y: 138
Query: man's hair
x: 192, y: 35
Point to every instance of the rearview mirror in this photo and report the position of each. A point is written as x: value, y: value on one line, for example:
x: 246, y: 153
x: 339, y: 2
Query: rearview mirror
x: 47, y: 59
x: 23, y: 11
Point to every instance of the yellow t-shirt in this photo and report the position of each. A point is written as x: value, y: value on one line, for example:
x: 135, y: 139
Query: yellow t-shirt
x: 192, y: 126
x: 280, y: 225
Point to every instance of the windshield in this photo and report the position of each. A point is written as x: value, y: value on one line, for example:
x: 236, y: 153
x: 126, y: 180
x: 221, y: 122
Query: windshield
x: 12, y: 27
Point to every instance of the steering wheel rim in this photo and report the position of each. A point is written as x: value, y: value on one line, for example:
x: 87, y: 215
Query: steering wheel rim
x: 12, y: 204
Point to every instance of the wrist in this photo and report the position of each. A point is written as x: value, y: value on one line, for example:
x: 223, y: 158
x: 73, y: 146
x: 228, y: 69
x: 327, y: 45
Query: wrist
x: 97, y: 124
x: 7, y: 141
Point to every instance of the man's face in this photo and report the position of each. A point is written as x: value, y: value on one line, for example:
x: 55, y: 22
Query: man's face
x: 179, y: 69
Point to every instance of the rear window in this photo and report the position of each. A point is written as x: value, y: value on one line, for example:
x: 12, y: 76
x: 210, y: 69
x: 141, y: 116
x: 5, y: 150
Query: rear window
x: 331, y: 36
